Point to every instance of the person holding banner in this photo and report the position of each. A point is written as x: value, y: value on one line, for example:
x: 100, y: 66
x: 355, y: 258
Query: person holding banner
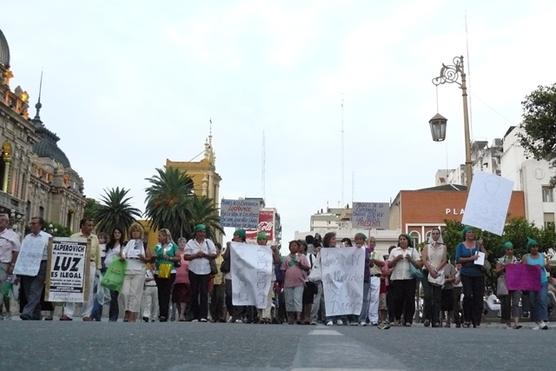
x: 405, y: 261
x: 199, y: 251
x: 166, y: 253
x: 9, y: 248
x: 434, y: 258
x: 235, y: 312
x: 376, y: 262
x: 86, y: 225
x: 31, y: 268
x: 295, y: 268
x: 265, y: 315
x: 136, y: 255
x: 329, y: 241
x: 508, y: 299
x: 538, y: 299
x: 471, y: 277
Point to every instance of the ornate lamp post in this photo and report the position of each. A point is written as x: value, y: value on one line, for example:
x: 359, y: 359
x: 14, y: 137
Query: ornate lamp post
x: 456, y: 74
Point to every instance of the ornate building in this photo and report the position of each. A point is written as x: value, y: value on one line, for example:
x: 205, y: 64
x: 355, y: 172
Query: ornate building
x: 35, y: 175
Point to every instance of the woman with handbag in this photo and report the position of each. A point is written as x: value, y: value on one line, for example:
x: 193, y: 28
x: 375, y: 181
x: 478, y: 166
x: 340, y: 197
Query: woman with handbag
x: 405, y: 262
x: 199, y: 251
x: 166, y: 254
x: 508, y: 299
x: 472, y: 277
x: 435, y: 259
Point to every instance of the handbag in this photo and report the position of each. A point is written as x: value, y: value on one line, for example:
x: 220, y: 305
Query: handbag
x: 213, y: 267
x: 113, y: 279
x: 414, y: 272
x: 165, y: 270
x: 501, y: 288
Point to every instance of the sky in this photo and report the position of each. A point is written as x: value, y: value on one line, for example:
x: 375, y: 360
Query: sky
x: 129, y: 84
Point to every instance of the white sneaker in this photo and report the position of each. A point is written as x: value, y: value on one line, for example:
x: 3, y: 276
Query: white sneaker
x: 537, y: 327
x: 329, y: 323
x: 203, y: 320
x: 340, y: 322
x: 194, y: 320
x: 239, y: 321
x: 543, y: 325
x: 362, y: 323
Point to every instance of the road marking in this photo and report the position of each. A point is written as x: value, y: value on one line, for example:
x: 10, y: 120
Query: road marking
x: 325, y: 332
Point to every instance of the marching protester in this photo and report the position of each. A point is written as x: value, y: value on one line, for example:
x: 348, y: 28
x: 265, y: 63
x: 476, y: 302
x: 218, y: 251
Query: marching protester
x: 86, y: 225
x: 181, y: 289
x: 218, y: 292
x: 9, y: 247
x: 434, y: 259
x: 199, y: 251
x: 136, y: 255
x: 315, y: 276
x: 166, y: 256
x: 265, y: 315
x: 538, y: 299
x: 150, y: 295
x: 33, y: 277
x: 405, y: 261
x: 471, y: 277
x: 328, y: 242
x: 235, y: 312
x: 360, y: 239
x: 295, y: 268
x: 113, y: 250
x: 376, y: 262
x: 508, y: 299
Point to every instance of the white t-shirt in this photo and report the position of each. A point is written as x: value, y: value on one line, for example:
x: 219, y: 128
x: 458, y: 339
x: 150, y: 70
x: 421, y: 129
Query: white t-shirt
x: 199, y: 265
x: 131, y: 253
x: 111, y: 254
x: 401, y: 269
x: 9, y: 242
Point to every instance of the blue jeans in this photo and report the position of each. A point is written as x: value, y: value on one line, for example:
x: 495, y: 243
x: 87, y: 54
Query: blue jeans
x: 539, y: 303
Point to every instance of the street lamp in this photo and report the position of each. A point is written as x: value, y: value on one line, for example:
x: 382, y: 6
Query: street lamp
x: 438, y: 127
x: 453, y: 74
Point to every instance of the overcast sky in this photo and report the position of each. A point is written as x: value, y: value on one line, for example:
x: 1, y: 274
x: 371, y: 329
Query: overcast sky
x: 128, y: 84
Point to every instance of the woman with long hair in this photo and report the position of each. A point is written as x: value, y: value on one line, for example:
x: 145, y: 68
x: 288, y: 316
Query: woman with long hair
x: 113, y: 250
x: 403, y: 260
x: 434, y: 256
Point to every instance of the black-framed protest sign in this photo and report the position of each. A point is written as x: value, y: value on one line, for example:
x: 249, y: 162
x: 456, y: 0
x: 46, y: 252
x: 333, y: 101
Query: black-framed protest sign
x: 68, y: 270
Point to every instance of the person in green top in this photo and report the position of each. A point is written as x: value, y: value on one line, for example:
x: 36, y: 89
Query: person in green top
x: 166, y: 254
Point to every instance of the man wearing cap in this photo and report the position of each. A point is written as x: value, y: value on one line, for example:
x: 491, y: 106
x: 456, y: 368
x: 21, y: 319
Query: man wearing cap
x: 9, y: 247
x: 235, y: 312
x: 198, y: 251
x: 508, y: 299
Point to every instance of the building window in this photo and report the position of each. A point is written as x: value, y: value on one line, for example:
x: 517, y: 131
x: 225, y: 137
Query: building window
x: 41, y: 212
x: 549, y: 221
x: 415, y: 238
x: 547, y: 195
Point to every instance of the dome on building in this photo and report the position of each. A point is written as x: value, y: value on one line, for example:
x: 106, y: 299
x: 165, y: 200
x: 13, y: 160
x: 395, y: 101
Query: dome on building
x: 4, y: 51
x: 47, y: 147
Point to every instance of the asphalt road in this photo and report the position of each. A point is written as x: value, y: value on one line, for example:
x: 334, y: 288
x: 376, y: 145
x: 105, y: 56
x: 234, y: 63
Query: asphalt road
x: 29, y: 345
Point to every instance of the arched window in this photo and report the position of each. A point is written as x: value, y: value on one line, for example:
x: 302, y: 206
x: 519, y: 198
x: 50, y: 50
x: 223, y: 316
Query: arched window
x: 415, y: 238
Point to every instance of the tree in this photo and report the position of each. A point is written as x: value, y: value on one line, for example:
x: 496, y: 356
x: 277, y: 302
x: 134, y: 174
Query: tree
x: 539, y: 124
x: 90, y: 210
x: 167, y: 201
x: 115, y: 210
x: 57, y: 230
x: 203, y: 211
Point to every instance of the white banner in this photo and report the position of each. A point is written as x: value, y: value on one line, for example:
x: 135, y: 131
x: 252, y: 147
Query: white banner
x: 30, y: 255
x: 68, y: 269
x: 342, y: 280
x: 251, y: 268
x: 487, y: 202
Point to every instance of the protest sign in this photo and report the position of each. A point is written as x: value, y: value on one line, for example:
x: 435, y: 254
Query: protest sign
x: 523, y: 277
x: 342, y: 280
x: 30, y: 255
x: 371, y: 215
x: 239, y: 213
x: 487, y: 202
x: 67, y: 271
x: 251, y: 268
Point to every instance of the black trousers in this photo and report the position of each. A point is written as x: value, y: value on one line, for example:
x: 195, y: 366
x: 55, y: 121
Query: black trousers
x: 435, y: 303
x: 403, y: 299
x: 199, y: 294
x: 164, y: 290
x: 473, y: 292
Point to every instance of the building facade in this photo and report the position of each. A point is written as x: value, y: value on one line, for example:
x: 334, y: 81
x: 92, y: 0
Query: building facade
x: 35, y: 175
x: 532, y: 177
x: 417, y: 212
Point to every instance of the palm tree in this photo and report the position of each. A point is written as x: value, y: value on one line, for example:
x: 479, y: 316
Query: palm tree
x: 115, y: 210
x: 167, y: 199
x: 203, y: 211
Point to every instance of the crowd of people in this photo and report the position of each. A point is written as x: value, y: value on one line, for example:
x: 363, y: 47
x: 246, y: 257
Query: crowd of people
x: 191, y: 280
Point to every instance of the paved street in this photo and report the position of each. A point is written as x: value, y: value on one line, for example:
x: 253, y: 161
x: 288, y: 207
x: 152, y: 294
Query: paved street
x: 197, y: 346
